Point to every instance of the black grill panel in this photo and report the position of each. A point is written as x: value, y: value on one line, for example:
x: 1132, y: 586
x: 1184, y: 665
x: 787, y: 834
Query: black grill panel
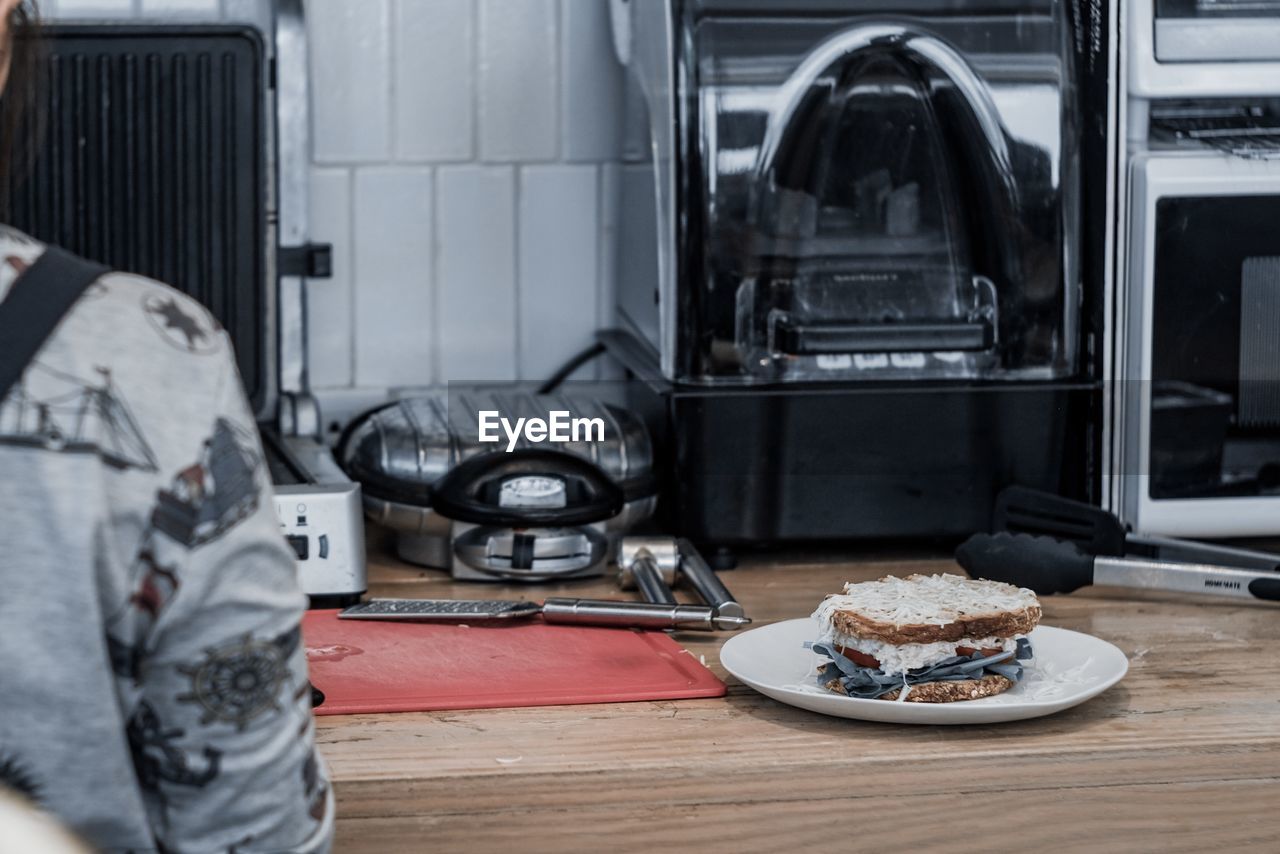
x: 153, y: 162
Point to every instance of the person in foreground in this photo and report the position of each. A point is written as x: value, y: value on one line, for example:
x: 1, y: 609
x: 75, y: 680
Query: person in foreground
x: 153, y: 685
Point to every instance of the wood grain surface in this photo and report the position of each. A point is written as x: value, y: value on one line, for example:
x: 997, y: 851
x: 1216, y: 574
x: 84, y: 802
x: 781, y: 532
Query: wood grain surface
x: 1183, y: 755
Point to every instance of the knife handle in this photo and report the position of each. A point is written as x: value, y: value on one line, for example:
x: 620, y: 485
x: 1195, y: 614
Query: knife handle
x: 1043, y: 564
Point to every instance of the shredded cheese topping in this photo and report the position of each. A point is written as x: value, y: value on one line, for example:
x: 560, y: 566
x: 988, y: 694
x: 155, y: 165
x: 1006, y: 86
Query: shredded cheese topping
x: 909, y: 656
x: 923, y: 600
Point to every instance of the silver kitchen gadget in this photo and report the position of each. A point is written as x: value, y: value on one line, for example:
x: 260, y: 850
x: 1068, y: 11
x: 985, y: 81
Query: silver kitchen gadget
x: 1047, y: 566
x: 545, y: 511
x: 1194, y: 48
x: 702, y: 578
x: 649, y: 564
x: 560, y: 611
x: 655, y: 564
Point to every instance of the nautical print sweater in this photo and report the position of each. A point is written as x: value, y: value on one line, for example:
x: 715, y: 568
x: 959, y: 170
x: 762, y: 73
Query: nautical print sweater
x: 153, y: 685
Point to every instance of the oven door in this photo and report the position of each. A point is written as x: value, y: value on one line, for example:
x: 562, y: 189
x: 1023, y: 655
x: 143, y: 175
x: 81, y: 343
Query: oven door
x: 1202, y: 456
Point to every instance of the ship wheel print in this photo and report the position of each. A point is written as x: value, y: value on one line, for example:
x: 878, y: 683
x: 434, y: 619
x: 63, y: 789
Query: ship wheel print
x: 239, y: 681
x: 189, y: 330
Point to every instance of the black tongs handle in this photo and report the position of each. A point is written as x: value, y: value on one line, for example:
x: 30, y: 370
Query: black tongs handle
x: 1042, y: 564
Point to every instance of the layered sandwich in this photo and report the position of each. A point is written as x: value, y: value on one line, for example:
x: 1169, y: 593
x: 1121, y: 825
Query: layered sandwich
x: 925, y: 638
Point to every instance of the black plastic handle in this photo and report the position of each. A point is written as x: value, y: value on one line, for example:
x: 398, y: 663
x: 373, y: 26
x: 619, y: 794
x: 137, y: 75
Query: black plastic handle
x: 1033, y: 511
x: 907, y: 337
x: 592, y: 496
x: 1043, y: 564
x: 1266, y: 588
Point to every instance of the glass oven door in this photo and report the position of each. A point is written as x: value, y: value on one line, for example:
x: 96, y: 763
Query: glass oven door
x: 1206, y: 256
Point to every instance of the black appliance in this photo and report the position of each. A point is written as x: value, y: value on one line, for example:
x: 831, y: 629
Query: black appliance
x: 879, y: 232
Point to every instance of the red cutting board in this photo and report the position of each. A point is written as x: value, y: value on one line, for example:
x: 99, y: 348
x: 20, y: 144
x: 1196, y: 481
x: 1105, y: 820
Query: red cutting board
x: 368, y: 666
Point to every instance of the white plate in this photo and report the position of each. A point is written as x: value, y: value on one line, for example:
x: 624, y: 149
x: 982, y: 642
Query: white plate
x: 1067, y: 669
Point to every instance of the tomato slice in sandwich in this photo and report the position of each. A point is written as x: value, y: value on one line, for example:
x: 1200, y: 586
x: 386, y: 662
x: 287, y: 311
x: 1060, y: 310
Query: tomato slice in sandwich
x: 864, y: 660
x: 859, y: 658
x: 968, y: 650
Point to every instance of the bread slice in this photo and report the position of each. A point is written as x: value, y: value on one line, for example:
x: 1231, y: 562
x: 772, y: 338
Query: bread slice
x: 942, y: 692
x: 951, y: 692
x: 929, y: 609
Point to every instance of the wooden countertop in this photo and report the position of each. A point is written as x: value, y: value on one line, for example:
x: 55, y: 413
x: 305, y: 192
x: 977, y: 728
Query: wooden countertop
x: 1183, y: 755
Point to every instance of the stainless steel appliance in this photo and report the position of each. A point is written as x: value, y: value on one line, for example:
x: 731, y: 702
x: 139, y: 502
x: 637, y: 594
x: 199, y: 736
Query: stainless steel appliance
x: 1197, y: 332
x: 177, y: 147
x: 1201, y: 453
x: 1181, y: 48
x: 511, y: 510
x: 879, y: 235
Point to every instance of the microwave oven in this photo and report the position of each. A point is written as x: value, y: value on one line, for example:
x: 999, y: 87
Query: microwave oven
x: 1195, y: 337
x: 1201, y: 395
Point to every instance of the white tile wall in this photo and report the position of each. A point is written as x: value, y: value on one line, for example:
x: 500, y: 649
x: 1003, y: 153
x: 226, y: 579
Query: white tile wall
x: 350, y: 77
x: 435, y: 52
x: 559, y: 264
x: 518, y: 77
x: 465, y: 169
x: 392, y: 309
x: 330, y: 344
x: 591, y: 83
x: 476, y: 239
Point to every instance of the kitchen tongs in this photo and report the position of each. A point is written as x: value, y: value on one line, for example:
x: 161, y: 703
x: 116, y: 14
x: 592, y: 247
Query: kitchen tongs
x: 1020, y: 510
x: 1051, y: 566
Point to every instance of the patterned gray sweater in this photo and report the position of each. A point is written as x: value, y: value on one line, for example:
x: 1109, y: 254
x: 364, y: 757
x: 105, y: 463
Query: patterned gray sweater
x: 153, y: 687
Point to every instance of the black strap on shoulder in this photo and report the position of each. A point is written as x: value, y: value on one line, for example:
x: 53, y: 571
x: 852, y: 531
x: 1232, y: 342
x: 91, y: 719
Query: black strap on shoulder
x: 36, y: 304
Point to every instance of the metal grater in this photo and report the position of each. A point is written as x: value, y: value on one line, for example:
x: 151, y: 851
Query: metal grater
x: 580, y: 612
x: 440, y: 610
